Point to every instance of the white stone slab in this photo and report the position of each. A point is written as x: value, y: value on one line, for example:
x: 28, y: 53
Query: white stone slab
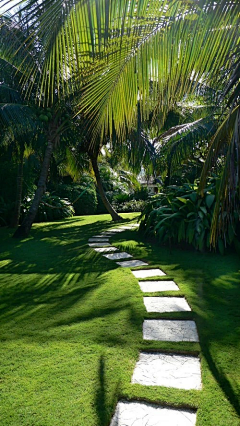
x: 131, y: 263
x: 107, y: 233
x: 152, y: 286
x: 105, y: 249
x: 170, y: 330
x: 170, y: 370
x: 116, y: 230
x: 117, y: 256
x: 126, y: 227
x: 102, y: 236
x: 144, y: 414
x: 99, y: 245
x: 145, y: 273
x: 98, y: 240
x: 166, y: 304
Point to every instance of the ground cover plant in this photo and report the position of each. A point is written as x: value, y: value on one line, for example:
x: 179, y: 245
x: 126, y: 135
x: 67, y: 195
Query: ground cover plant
x: 71, y: 326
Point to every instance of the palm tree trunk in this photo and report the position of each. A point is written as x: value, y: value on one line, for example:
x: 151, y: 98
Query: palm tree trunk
x: 110, y: 209
x: 24, y: 229
x: 17, y: 207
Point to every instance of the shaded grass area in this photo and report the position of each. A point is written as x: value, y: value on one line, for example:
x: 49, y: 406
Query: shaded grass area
x: 71, y: 326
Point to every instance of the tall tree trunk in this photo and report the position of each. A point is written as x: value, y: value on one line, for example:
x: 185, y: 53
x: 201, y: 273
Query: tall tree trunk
x: 17, y: 207
x: 105, y: 201
x: 26, y: 225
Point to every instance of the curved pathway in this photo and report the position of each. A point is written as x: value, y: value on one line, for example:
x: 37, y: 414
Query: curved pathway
x: 156, y: 369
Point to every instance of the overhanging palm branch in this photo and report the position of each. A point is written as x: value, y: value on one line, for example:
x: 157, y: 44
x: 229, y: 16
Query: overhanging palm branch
x: 122, y: 52
x: 226, y: 146
x: 182, y: 142
x: 225, y: 142
x: 165, y: 65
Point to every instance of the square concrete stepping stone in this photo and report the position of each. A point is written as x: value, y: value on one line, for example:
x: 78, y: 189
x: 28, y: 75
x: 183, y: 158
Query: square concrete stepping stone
x: 105, y: 249
x: 145, y: 273
x: 101, y: 236
x: 152, y: 286
x: 107, y: 233
x: 144, y: 414
x: 166, y: 304
x: 99, y: 244
x: 98, y: 240
x: 170, y: 370
x: 131, y: 263
x: 170, y: 330
x: 126, y: 227
x: 117, y: 256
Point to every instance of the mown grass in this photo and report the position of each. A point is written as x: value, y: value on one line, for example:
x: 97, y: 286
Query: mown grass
x: 71, y: 327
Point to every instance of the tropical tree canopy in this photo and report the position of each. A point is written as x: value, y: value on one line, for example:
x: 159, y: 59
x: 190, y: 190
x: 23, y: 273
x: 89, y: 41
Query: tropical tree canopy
x: 119, y: 54
x: 129, y: 61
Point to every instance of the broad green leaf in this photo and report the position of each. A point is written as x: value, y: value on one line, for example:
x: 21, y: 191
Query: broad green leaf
x: 209, y: 199
x: 183, y: 200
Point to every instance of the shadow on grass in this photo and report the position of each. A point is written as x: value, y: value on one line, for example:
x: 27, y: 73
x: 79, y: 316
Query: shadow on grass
x: 103, y: 406
x: 218, y: 320
x: 54, y: 248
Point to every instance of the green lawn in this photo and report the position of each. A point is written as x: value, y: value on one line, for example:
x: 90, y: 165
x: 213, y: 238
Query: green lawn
x: 71, y: 327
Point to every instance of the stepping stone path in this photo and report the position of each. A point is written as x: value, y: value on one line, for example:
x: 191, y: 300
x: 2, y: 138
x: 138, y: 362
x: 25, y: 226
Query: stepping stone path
x: 99, y: 245
x: 166, y: 304
x: 132, y: 263
x: 156, y: 369
x: 105, y: 249
x: 172, y: 371
x: 146, y: 273
x: 133, y: 413
x: 98, y: 240
x: 117, y: 256
x: 170, y: 330
x: 153, y: 286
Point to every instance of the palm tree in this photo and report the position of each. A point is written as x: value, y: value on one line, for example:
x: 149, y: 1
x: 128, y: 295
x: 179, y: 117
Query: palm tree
x: 129, y: 51
x: 15, y: 51
x: 19, y: 127
x: 119, y: 55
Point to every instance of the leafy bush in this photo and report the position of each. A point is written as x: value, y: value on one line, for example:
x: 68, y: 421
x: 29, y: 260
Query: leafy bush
x: 83, y: 197
x: 121, y: 197
x: 180, y: 214
x: 130, y: 206
x: 141, y: 193
x: 51, y: 208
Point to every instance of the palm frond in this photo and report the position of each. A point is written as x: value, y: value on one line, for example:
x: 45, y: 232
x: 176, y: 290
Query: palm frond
x: 123, y: 52
x: 226, y: 138
x: 182, y: 142
x: 19, y: 120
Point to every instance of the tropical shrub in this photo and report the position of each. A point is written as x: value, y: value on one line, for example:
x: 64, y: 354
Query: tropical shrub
x: 141, y: 193
x: 129, y: 206
x: 51, y: 208
x: 82, y: 196
x: 181, y: 215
